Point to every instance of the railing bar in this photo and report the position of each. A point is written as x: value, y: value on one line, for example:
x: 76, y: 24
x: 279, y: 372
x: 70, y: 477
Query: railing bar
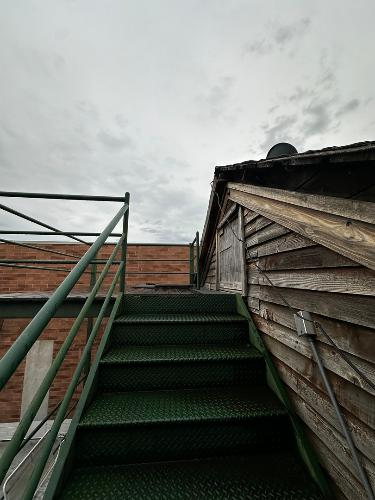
x: 27, y: 419
x: 60, y: 233
x: 31, y: 333
x: 41, y: 249
x: 36, y: 221
x: 39, y: 267
x: 58, y: 196
x: 42, y: 459
x: 94, y: 261
x: 46, y: 418
x: 85, y: 394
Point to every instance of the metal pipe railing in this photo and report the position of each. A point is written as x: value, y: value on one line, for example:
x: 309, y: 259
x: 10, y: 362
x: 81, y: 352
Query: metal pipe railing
x: 40, y: 249
x: 38, y: 470
x: 31, y: 333
x: 27, y: 418
x: 36, y: 221
x: 60, y: 196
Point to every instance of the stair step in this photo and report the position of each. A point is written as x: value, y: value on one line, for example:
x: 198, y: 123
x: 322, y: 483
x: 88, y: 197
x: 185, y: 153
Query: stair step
x: 173, y: 424
x: 151, y: 329
x: 256, y: 477
x: 176, y: 366
x: 177, y: 303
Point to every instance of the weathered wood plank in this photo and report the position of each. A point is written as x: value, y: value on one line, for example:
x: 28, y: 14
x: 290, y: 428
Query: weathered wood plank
x: 354, y: 339
x: 349, y: 485
x: 351, y: 308
x: 351, y: 397
x: 331, y: 437
x: 351, y: 238
x: 358, y: 280
x: 256, y: 225
x: 227, y: 216
x: 285, y: 243
x: 241, y: 229
x: 331, y: 360
x: 363, y: 436
x: 249, y: 216
x: 349, y: 208
x: 265, y: 234
x: 312, y: 257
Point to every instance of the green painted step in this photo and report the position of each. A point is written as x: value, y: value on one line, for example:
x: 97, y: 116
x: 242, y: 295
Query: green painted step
x: 173, y: 424
x: 271, y: 476
x: 176, y: 366
x: 152, y: 329
x: 179, y: 303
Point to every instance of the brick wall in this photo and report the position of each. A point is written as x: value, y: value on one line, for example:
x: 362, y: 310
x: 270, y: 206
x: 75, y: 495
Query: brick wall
x: 29, y: 280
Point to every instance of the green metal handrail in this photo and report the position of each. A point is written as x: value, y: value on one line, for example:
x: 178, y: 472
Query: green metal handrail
x: 18, y: 351
x: 31, y: 333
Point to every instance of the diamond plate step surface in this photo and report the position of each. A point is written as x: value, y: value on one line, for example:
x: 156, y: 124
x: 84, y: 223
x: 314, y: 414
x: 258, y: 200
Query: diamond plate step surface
x: 180, y: 329
x: 181, y: 366
x: 175, y: 424
x: 177, y: 303
x: 277, y: 476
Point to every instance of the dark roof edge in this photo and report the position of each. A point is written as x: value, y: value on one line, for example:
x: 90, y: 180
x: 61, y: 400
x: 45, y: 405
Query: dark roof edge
x: 362, y: 151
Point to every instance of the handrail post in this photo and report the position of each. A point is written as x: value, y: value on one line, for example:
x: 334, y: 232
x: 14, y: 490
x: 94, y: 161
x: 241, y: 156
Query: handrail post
x: 90, y: 321
x: 191, y: 257
x: 198, y: 273
x: 124, y: 243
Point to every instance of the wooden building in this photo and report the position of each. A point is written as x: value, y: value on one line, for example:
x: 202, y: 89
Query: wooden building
x: 297, y: 232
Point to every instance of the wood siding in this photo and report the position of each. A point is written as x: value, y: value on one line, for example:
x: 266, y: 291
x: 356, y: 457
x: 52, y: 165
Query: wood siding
x: 292, y: 242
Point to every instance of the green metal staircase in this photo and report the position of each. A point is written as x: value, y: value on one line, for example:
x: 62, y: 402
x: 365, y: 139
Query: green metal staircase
x: 177, y: 406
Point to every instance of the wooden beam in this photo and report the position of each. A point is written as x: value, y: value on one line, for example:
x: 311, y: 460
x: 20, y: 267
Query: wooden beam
x: 241, y: 231
x: 364, y: 436
x: 284, y: 243
x: 330, y: 359
x: 310, y: 257
x: 353, y: 281
x: 356, y: 340
x: 351, y: 397
x: 352, y: 209
x: 351, y: 238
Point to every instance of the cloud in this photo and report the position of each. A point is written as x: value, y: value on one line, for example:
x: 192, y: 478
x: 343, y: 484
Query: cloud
x: 318, y: 119
x: 115, y: 143
x: 281, y: 131
x: 213, y: 104
x: 348, y: 107
x: 279, y: 39
x: 287, y: 33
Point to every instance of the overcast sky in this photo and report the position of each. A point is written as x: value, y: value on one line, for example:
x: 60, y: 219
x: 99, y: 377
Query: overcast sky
x: 147, y: 96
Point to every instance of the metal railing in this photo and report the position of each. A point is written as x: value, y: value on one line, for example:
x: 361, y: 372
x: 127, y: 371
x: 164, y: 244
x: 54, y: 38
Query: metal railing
x: 86, y: 264
x: 18, y: 351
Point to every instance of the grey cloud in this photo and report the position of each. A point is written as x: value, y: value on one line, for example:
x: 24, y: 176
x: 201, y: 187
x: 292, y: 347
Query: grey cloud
x: 115, y: 143
x: 260, y: 47
x: 279, y: 39
x: 281, y: 131
x: 213, y: 103
x: 287, y: 33
x: 348, y: 107
x: 318, y: 121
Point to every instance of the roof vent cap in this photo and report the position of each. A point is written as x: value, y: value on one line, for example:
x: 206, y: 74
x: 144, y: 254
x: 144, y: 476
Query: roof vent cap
x: 281, y: 149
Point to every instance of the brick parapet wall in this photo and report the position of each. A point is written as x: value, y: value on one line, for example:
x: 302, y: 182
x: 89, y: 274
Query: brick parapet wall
x: 29, y: 280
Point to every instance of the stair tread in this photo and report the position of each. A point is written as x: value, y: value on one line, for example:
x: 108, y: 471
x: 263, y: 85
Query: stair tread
x: 264, y: 475
x: 184, y: 405
x: 179, y: 353
x: 180, y: 318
